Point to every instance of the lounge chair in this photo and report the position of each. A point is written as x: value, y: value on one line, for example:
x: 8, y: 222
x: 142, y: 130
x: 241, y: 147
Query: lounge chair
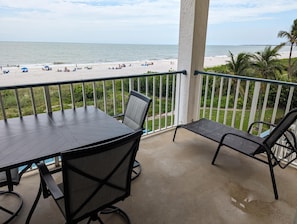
x: 278, y: 137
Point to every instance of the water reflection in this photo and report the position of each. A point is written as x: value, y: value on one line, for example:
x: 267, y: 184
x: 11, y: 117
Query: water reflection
x: 246, y: 201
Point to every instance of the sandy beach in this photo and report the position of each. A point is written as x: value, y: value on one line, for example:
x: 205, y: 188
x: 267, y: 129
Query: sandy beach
x: 63, y: 72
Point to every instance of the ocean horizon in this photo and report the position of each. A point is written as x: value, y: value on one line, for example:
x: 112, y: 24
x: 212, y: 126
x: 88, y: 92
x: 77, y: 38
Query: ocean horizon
x: 41, y: 53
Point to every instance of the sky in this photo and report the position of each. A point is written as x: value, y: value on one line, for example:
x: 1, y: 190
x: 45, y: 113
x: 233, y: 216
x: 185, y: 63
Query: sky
x: 230, y: 22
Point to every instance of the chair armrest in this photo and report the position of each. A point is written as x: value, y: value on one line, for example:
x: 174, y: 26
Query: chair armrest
x: 273, y: 125
x: 118, y: 115
x: 49, y: 182
x: 259, y: 122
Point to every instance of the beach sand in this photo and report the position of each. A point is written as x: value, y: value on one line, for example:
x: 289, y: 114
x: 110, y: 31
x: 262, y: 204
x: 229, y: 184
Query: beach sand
x: 57, y: 73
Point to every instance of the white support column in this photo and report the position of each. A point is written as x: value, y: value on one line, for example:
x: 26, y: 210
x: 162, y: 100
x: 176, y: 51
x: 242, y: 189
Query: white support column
x: 192, y: 41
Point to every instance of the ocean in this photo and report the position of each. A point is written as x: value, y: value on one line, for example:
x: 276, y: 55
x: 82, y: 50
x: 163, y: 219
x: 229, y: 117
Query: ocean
x: 39, y: 53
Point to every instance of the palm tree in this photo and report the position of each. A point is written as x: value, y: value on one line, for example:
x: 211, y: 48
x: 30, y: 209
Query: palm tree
x: 292, y: 39
x: 238, y: 65
x: 266, y: 63
x: 294, y: 68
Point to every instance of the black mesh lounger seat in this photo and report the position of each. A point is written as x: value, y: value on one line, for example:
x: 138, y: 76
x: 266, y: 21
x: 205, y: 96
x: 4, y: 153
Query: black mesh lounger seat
x: 94, y: 179
x: 134, y: 117
x: 280, y: 136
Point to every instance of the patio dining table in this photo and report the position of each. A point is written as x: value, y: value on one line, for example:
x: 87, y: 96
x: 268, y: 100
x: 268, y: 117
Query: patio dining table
x: 33, y: 138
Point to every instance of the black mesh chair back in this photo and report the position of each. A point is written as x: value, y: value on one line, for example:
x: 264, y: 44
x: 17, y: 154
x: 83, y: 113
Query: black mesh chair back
x: 96, y: 177
x: 136, y: 110
x: 281, y: 127
x: 134, y: 117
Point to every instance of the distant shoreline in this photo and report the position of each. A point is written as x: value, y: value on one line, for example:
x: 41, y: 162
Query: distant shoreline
x: 51, y: 53
x: 63, y: 72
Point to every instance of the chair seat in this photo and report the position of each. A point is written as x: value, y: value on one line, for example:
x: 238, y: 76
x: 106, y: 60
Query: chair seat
x: 14, y: 177
x: 215, y: 131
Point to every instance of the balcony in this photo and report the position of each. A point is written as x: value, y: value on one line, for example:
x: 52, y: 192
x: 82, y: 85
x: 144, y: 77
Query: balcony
x: 178, y: 184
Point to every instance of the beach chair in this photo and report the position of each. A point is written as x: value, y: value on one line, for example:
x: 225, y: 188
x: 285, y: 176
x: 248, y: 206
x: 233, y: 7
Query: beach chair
x: 279, y: 146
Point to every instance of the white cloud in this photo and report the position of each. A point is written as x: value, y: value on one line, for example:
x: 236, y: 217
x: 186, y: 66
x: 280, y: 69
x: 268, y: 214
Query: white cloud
x: 94, y: 18
x: 119, y: 20
x: 94, y: 10
x: 222, y: 11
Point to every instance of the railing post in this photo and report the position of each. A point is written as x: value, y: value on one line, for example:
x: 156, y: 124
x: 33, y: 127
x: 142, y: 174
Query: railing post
x: 254, y: 102
x: 72, y: 96
x: 276, y: 102
x: 83, y: 87
x: 2, y: 107
x: 33, y: 101
x: 95, y: 94
x: 290, y: 97
x: 18, y: 102
x: 47, y: 98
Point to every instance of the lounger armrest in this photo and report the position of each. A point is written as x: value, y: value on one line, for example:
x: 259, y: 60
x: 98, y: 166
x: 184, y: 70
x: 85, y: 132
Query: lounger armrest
x: 260, y: 122
x: 49, y: 182
x: 273, y: 125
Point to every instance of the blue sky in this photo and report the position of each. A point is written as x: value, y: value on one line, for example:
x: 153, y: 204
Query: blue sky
x: 141, y: 21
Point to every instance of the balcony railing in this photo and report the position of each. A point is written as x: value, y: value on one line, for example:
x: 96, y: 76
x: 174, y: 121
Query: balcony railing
x: 232, y: 100
x: 108, y: 94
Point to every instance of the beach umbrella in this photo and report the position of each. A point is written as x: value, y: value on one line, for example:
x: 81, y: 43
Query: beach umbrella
x: 47, y: 68
x: 24, y: 69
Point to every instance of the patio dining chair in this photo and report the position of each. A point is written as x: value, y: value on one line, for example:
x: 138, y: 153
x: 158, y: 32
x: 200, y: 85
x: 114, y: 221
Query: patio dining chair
x: 12, y: 200
x: 94, y: 179
x: 134, y: 117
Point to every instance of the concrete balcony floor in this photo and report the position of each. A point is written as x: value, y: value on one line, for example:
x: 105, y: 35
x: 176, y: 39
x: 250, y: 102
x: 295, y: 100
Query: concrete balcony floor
x: 178, y: 184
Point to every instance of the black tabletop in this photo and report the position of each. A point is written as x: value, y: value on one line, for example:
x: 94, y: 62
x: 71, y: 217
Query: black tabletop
x: 37, y: 137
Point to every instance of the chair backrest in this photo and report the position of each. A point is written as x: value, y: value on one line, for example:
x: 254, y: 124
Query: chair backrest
x: 281, y: 127
x: 15, y: 178
x: 136, y: 110
x: 98, y: 176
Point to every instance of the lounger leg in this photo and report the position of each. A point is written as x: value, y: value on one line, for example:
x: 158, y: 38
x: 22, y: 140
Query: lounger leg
x: 178, y: 126
x: 272, y: 178
x: 216, y: 154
